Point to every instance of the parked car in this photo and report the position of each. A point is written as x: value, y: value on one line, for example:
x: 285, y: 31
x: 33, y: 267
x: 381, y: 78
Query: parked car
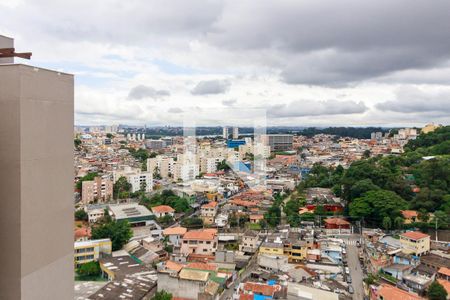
x: 358, y: 244
x: 350, y: 289
x: 349, y: 279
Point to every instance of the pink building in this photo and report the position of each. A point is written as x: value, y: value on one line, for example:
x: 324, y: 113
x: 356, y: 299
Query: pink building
x: 202, y: 241
x: 99, y: 189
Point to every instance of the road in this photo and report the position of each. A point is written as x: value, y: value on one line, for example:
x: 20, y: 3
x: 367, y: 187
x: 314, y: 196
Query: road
x: 355, y: 267
x: 252, y: 266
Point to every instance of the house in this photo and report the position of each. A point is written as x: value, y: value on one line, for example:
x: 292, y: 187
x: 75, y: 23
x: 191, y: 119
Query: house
x: 208, y: 212
x: 174, y: 234
x: 415, y: 242
x: 250, y: 242
x: 389, y: 292
x: 202, y: 242
x: 446, y: 285
x: 337, y: 226
x: 272, y: 248
x: 296, y: 250
x: 444, y: 273
x: 255, y: 219
x: 82, y: 234
x: 410, y: 216
x: 92, y: 250
x: 162, y: 211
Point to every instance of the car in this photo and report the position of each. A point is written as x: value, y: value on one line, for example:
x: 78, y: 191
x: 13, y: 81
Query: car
x: 347, y: 270
x: 350, y: 289
x: 349, y: 279
x: 358, y: 244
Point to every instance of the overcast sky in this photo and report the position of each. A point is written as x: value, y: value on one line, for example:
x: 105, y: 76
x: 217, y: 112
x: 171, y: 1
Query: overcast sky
x: 308, y: 63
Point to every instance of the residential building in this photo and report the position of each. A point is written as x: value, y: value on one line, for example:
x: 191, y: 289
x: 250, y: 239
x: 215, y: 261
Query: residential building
x: 410, y: 216
x: 92, y: 250
x: 337, y: 226
x: 174, y: 234
x: 202, y: 241
x: 208, y: 212
x: 185, y: 171
x: 389, y: 292
x: 162, y: 211
x: 139, y: 180
x: 272, y: 248
x: 225, y: 132
x: 161, y: 165
x: 415, y: 242
x: 250, y: 242
x: 99, y: 189
x: 235, y: 133
x: 36, y: 175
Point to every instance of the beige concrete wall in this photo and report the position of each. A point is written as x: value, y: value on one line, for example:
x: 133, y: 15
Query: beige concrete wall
x: 36, y: 183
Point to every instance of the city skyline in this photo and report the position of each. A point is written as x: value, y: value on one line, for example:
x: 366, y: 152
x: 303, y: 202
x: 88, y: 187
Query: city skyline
x: 147, y: 64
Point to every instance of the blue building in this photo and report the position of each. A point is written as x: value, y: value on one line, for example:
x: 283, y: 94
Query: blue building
x: 235, y: 143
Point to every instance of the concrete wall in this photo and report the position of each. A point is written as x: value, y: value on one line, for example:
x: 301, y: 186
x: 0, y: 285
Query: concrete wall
x: 179, y: 287
x: 36, y: 183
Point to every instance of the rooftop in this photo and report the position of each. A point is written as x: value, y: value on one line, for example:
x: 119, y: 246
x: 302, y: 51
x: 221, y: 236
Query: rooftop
x: 174, y: 231
x: 414, y: 235
x: 203, y: 234
x: 162, y: 209
x: 125, y: 211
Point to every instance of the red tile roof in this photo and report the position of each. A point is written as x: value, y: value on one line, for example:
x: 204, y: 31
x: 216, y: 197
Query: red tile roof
x: 264, y: 289
x: 211, y: 204
x: 82, y: 232
x: 202, y: 266
x: 336, y: 221
x: 444, y: 270
x: 415, y: 235
x: 389, y: 292
x: 162, y: 209
x: 445, y: 284
x: 204, y: 234
x: 171, y: 265
x: 174, y: 231
x: 408, y: 214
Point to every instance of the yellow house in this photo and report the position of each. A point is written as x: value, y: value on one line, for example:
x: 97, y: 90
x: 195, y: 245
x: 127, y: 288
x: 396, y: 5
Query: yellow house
x: 415, y: 242
x: 296, y: 251
x: 271, y: 248
x: 92, y: 250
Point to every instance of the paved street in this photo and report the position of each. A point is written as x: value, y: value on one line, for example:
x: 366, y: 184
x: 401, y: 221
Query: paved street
x: 355, y: 267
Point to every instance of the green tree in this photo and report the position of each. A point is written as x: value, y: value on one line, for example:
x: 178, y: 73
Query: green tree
x: 89, y: 269
x: 77, y: 143
x: 81, y: 215
x: 436, y: 291
x: 109, y: 135
x: 375, y: 205
x: 162, y: 295
x: 122, y: 188
x: 387, y: 223
x: 87, y: 177
x: 398, y: 222
x: 119, y: 232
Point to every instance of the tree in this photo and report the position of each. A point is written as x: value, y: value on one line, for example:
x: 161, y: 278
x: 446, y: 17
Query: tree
x: 77, y: 143
x: 375, y: 205
x: 436, y: 291
x: 122, y: 188
x: 119, y: 232
x: 89, y: 269
x: 366, y: 154
x: 162, y: 295
x: 81, y: 215
x: 398, y: 222
x: 387, y: 223
x: 87, y: 177
x: 109, y: 135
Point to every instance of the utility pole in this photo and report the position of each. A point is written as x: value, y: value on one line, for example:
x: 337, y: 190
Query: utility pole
x: 436, y: 227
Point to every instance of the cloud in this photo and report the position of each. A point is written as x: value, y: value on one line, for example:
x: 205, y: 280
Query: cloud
x: 142, y: 91
x: 229, y: 102
x: 302, y: 108
x: 415, y: 100
x: 175, y: 110
x: 211, y: 87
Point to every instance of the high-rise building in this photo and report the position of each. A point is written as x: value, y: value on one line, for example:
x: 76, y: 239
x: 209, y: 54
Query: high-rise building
x: 36, y: 180
x: 235, y: 133
x: 278, y: 142
x: 225, y: 132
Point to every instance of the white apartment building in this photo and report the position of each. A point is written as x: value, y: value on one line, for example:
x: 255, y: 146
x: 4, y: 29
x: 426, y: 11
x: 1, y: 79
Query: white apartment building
x: 208, y: 164
x: 137, y: 178
x: 164, y: 165
x: 186, y: 171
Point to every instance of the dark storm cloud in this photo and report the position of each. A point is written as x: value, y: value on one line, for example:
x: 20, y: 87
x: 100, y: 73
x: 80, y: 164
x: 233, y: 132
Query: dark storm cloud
x: 413, y: 100
x: 143, y: 91
x: 211, y: 87
x: 302, y: 108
